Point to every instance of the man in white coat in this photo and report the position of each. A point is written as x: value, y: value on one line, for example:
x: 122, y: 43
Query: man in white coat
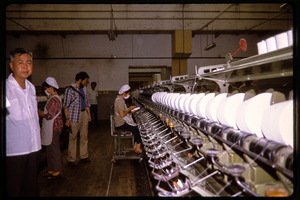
x: 23, y: 140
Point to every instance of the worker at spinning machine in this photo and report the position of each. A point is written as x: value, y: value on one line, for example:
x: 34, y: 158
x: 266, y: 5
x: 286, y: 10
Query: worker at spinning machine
x: 123, y: 117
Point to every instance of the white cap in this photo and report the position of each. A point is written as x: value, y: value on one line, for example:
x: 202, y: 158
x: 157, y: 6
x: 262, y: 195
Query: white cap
x: 124, y: 88
x: 52, y: 82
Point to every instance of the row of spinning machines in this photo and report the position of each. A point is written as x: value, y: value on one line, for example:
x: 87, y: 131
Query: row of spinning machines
x: 201, y: 153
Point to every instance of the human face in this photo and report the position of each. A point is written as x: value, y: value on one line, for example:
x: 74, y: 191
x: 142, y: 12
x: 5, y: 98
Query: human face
x: 126, y: 95
x: 84, y: 82
x: 46, y: 91
x: 21, y: 66
x: 93, y: 86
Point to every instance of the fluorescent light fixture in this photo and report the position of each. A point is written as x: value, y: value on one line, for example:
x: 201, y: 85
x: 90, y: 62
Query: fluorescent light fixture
x: 111, y: 35
x: 210, y: 46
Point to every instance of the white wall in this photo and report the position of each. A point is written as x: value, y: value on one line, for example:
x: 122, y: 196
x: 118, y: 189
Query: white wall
x: 63, y: 57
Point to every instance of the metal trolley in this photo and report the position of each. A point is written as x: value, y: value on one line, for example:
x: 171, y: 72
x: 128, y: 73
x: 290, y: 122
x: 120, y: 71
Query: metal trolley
x: 122, y: 153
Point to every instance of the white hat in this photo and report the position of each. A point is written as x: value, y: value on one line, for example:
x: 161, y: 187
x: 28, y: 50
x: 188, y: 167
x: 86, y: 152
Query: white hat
x: 52, y: 82
x: 124, y: 88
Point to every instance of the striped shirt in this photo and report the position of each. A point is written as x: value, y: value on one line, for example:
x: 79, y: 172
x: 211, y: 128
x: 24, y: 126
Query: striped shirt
x: 72, y: 102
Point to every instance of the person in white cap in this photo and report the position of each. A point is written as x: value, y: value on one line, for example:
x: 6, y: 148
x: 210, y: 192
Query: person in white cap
x: 123, y: 119
x: 52, y: 126
x: 23, y: 140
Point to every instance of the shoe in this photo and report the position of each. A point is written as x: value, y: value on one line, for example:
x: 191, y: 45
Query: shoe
x: 140, y: 151
x: 46, y: 174
x: 71, y: 164
x: 52, y: 177
x: 85, y: 160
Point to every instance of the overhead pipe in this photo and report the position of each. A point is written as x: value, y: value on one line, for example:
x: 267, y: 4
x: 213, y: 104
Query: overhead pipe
x: 216, y: 17
x: 17, y: 23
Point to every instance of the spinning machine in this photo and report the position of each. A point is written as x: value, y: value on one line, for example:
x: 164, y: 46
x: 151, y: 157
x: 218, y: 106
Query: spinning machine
x: 225, y: 131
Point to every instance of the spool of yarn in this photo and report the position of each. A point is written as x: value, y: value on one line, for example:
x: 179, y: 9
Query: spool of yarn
x: 188, y: 103
x: 281, y: 40
x: 177, y: 100
x: 271, y: 44
x: 277, y: 122
x: 250, y: 113
x: 202, y: 104
x: 173, y: 100
x: 194, y: 102
x: 290, y: 37
x: 262, y: 47
x: 227, y: 109
x: 212, y: 105
x: 182, y: 102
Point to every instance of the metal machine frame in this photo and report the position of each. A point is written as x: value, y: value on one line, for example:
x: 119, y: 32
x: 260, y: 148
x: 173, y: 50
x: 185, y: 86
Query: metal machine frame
x: 119, y: 152
x: 223, y: 149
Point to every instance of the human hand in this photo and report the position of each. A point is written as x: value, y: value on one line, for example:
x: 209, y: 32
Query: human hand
x: 135, y: 109
x: 41, y: 113
x: 132, y: 107
x: 67, y: 123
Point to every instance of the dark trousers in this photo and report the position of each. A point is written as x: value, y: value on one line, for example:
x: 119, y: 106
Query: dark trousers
x: 94, y: 113
x: 22, y: 175
x: 54, y: 157
x: 134, y: 130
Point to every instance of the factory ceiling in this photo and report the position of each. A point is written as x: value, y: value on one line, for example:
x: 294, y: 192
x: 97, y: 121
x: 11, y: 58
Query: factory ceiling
x: 147, y: 18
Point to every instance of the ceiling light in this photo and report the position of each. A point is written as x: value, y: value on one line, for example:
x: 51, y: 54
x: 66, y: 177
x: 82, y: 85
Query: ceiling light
x: 111, y: 33
x: 283, y: 6
x: 210, y: 46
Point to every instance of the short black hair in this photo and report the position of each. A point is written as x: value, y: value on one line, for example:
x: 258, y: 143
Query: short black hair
x: 81, y: 75
x: 93, y: 83
x: 20, y: 51
x: 128, y: 91
x: 46, y: 85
